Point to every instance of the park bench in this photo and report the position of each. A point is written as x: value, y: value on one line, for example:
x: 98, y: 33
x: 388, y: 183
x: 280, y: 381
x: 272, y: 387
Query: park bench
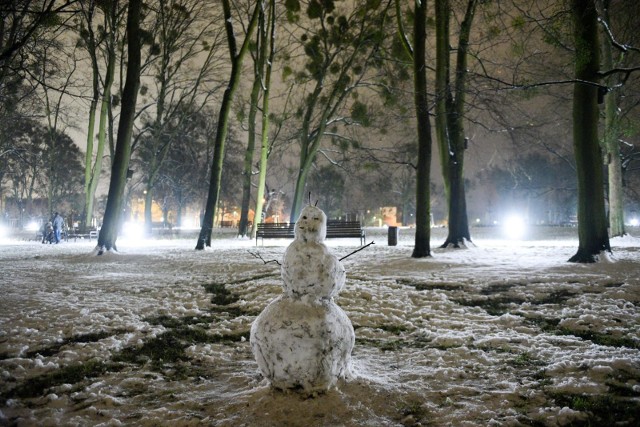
x: 345, y: 229
x: 335, y: 229
x: 92, y: 234
x: 275, y: 230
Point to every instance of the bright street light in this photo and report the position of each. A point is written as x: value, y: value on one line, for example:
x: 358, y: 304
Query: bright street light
x: 514, y: 227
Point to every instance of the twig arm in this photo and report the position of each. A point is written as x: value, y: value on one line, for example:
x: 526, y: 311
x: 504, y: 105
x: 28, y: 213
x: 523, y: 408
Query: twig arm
x: 358, y: 250
x: 257, y: 255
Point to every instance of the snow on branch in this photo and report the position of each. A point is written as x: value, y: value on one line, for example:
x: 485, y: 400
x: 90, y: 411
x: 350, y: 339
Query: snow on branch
x: 622, y: 47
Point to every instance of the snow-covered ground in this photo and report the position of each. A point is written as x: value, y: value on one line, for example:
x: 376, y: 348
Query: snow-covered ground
x: 502, y: 333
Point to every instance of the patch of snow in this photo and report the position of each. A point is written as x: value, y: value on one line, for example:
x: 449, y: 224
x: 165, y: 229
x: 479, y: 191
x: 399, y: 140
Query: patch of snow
x: 487, y: 335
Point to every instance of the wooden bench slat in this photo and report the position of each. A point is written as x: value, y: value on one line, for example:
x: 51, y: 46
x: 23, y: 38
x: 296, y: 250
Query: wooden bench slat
x: 335, y: 229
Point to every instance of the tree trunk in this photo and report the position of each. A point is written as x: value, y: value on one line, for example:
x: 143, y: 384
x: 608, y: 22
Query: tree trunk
x: 449, y: 119
x: 243, y: 225
x: 611, y: 146
x: 299, y: 192
x: 97, y: 166
x: 88, y: 163
x: 102, y: 131
x: 152, y: 176
x: 159, y: 147
x: 111, y: 133
x: 616, y: 194
x: 457, y: 204
x: 443, y: 90
x: 148, y: 205
x: 423, y: 204
x: 264, y: 141
x: 309, y: 145
x: 179, y: 215
x: 204, y: 238
x: 95, y: 71
x: 592, y: 220
x: 109, y: 230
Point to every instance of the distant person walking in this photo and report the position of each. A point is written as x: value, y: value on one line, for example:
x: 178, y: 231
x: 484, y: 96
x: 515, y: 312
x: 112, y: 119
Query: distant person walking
x: 58, y: 223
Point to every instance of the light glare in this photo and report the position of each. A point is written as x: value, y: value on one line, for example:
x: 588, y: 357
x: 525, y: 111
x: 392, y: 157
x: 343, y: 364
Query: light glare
x: 188, y: 224
x: 514, y: 227
x: 132, y: 230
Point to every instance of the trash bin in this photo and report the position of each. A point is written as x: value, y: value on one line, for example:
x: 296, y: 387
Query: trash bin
x: 392, y: 236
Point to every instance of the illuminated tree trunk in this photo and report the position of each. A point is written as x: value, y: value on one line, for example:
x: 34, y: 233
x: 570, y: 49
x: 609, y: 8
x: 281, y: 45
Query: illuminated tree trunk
x: 251, y: 138
x: 301, y: 180
x: 111, y: 22
x: 247, y: 173
x: 109, y: 230
x: 264, y: 145
x: 94, y: 168
x: 592, y: 220
x: 612, y: 147
x: 93, y: 107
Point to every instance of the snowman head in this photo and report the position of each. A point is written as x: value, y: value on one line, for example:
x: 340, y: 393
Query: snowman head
x: 311, y: 225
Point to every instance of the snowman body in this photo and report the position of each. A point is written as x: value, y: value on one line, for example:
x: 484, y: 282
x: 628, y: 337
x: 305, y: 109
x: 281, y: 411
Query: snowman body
x: 303, y: 339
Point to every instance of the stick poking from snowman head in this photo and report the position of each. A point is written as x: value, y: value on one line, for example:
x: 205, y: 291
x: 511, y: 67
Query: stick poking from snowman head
x: 316, y: 203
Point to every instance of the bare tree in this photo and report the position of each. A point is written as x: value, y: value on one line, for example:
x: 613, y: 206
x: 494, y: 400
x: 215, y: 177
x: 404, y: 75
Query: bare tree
x: 259, y: 60
x: 99, y: 39
x: 186, y: 163
x: 186, y: 47
x: 263, y: 65
x: 22, y: 167
x: 21, y: 23
x: 113, y: 210
x: 237, y: 57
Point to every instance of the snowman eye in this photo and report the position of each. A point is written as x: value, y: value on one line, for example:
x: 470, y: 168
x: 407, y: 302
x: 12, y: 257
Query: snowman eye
x: 316, y: 218
x: 304, y: 217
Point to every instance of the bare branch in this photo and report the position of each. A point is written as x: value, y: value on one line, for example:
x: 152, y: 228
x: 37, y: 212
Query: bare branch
x: 257, y: 255
x: 358, y: 250
x: 622, y: 47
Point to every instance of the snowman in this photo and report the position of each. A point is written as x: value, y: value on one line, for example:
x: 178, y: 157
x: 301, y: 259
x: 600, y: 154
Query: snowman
x: 302, y: 339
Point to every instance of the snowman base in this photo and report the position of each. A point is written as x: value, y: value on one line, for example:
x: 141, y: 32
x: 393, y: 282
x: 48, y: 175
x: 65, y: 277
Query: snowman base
x: 302, y: 345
